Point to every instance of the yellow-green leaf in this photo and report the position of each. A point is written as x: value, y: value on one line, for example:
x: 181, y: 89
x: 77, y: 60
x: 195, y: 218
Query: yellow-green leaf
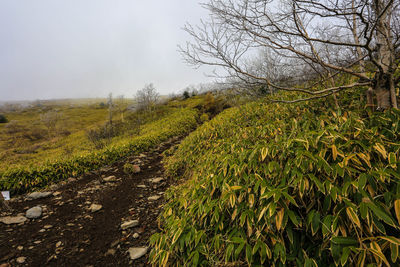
x: 397, y: 209
x: 353, y: 216
x: 334, y: 152
x: 381, y: 149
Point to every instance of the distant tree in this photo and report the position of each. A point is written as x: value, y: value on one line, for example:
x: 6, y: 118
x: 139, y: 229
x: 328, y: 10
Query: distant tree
x: 186, y: 94
x: 147, y: 97
x: 110, y: 106
x: 3, y: 119
x: 50, y: 120
x: 121, y: 106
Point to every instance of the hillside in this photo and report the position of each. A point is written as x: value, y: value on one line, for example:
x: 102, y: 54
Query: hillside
x: 285, y: 185
x: 259, y: 184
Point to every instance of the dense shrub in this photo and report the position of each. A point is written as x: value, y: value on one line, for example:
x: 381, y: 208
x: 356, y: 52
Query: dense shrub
x: 277, y: 185
x: 3, y: 119
x: 186, y: 95
x: 25, y: 178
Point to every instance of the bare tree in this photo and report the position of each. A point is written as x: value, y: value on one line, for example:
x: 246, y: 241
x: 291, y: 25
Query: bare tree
x: 329, y: 37
x: 50, y: 120
x: 147, y: 97
x: 110, y: 106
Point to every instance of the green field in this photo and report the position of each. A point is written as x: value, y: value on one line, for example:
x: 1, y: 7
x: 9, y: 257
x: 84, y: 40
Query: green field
x: 27, y: 140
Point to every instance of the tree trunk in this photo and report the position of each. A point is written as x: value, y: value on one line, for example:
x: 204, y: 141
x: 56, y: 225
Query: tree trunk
x: 370, y: 99
x: 384, y: 80
x: 382, y: 91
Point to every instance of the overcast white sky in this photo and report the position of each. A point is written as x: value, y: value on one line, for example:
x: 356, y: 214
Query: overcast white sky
x: 88, y: 48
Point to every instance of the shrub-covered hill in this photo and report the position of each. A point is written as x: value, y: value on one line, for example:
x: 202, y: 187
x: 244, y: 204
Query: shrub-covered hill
x: 178, y: 121
x: 285, y: 185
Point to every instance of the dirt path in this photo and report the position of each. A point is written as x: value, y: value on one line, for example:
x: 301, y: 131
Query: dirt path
x: 69, y: 234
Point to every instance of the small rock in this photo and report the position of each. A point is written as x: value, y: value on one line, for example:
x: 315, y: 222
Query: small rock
x: 42, y: 230
x: 141, y: 186
x: 136, y: 253
x: 110, y: 179
x: 37, y: 195
x: 21, y: 260
x: 71, y: 179
x: 37, y: 242
x: 57, y: 193
x: 5, y: 265
x: 34, y: 213
x: 53, y: 187
x: 48, y: 226
x: 153, y: 197
x: 20, y: 247
x: 156, y: 180
x: 136, y: 169
x: 129, y: 224
x: 95, y: 207
x: 135, y: 235
x: 58, y: 244
x: 13, y: 220
x: 110, y: 252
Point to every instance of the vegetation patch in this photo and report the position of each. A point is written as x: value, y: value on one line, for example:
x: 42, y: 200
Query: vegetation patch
x: 21, y: 179
x: 297, y: 185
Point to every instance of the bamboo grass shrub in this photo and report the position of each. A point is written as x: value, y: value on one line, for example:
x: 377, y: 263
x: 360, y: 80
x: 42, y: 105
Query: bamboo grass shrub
x: 285, y: 185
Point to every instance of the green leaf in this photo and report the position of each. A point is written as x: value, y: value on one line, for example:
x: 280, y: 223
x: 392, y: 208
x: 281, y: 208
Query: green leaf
x: 382, y: 215
x: 249, y: 254
x: 362, y: 181
x: 345, y: 256
x: 394, y: 252
x: 392, y: 159
x: 293, y: 217
x: 195, y: 260
x: 344, y: 241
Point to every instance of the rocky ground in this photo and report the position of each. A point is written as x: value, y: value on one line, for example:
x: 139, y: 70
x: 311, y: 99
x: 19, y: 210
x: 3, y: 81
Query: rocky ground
x: 104, y: 218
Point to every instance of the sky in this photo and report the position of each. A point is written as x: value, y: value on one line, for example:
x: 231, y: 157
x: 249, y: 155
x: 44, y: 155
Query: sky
x: 88, y: 48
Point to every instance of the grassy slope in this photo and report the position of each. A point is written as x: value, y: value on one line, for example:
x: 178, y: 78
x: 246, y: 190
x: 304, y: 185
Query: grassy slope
x: 285, y: 185
x: 75, y: 119
x: 175, y: 122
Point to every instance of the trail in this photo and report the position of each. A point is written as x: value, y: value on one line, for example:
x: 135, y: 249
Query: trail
x: 69, y: 234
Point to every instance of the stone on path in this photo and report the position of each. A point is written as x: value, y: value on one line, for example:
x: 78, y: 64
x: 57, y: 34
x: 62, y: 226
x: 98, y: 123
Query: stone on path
x: 13, y: 220
x: 37, y: 195
x: 129, y: 224
x: 110, y: 252
x: 153, y: 197
x: 156, y: 180
x: 95, y: 207
x: 136, y: 169
x: 21, y: 260
x: 141, y: 186
x: 34, y: 213
x: 135, y: 235
x: 136, y: 253
x: 110, y: 179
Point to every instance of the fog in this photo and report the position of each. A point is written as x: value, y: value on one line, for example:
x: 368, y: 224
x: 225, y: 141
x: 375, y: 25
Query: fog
x: 89, y: 48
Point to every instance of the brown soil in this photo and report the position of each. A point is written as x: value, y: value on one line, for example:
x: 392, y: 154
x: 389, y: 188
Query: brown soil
x: 79, y: 237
